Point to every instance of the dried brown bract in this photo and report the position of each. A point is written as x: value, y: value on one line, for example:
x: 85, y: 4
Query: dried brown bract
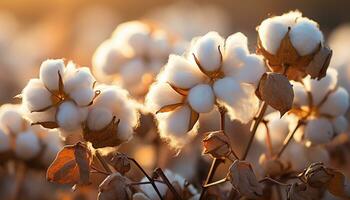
x: 217, y: 144
x: 121, y: 163
x: 114, y: 187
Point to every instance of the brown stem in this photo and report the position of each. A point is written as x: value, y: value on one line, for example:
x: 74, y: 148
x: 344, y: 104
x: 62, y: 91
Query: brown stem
x: 273, y: 181
x: 103, y: 162
x: 160, y: 173
x: 255, y: 125
x: 99, y: 171
x: 288, y: 139
x: 216, y: 182
x: 20, y: 175
x: 210, y: 175
x: 268, y: 140
x: 147, y: 176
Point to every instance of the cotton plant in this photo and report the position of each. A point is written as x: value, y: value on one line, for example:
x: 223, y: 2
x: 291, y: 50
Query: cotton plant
x: 213, y: 72
x: 134, y: 55
x: 33, y: 145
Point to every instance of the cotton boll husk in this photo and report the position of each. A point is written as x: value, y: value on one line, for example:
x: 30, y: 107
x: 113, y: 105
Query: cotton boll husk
x: 271, y: 32
x: 35, y: 96
x: 181, y: 73
x: 78, y: 78
x: 239, y: 99
x: 340, y: 124
x: 201, y: 98
x: 174, y: 125
x: 132, y: 72
x: 135, y: 34
x: 278, y: 129
x: 49, y: 72
x: 300, y: 95
x: 318, y: 131
x: 205, y: 48
x: 83, y: 96
x: 251, y: 70
x: 305, y: 36
x: 320, y: 88
x: 11, y: 118
x: 99, y: 118
x: 5, y: 141
x: 69, y: 116
x: 108, y: 57
x: 27, y: 145
x: 337, y: 103
x: 159, y: 46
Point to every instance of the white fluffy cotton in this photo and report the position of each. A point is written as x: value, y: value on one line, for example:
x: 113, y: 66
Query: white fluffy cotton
x: 49, y: 70
x: 5, y: 141
x: 337, y: 103
x: 35, y: 96
x: 206, y: 50
x: 300, y: 95
x: 201, y: 98
x: 318, y: 131
x: 69, y: 116
x: 99, y: 118
x: 27, y: 145
x: 305, y: 34
x: 11, y: 118
x: 132, y: 71
x: 340, y: 124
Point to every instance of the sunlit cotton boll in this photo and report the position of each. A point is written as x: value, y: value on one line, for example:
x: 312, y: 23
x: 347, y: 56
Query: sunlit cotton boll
x: 201, y: 98
x: 35, y: 96
x: 70, y: 117
x: 49, y: 70
x: 337, y: 103
x: 27, y: 145
x: 305, y: 34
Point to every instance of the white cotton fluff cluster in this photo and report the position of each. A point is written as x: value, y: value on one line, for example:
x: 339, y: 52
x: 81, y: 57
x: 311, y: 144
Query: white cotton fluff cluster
x: 134, y: 55
x: 113, y: 102
x: 238, y: 73
x: 68, y: 108
x: 329, y: 104
x: 163, y: 188
x: 304, y: 34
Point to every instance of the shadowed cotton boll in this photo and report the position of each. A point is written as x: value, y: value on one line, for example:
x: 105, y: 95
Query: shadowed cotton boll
x: 318, y: 131
x: 305, y: 34
x: 11, y: 118
x: 337, y: 103
x: 5, y: 142
x: 27, y: 145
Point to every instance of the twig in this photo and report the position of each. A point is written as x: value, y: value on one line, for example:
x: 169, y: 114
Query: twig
x: 98, y: 171
x: 216, y: 183
x: 210, y: 175
x: 273, y: 181
x: 288, y: 139
x: 160, y: 173
x: 103, y: 162
x: 147, y: 176
x: 20, y: 175
x: 255, y: 125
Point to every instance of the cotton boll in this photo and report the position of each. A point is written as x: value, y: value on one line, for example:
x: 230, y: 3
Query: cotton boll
x: 49, y: 154
x: 239, y: 99
x: 317, y: 154
x: 181, y: 73
x: 251, y: 70
x: 292, y: 154
x: 36, y: 96
x: 78, y: 79
x: 48, y: 115
x: 159, y: 45
x: 83, y: 96
x: 201, y: 98
x: 149, y: 190
x: 5, y: 141
x: 319, y: 88
x: 27, y: 145
x: 306, y: 36
x: 11, y: 118
x: 69, y: 116
x: 236, y: 50
x: 340, y: 124
x: 300, y: 94
x: 99, y: 118
x: 132, y: 72
x: 271, y: 32
x: 206, y: 50
x: 337, y: 103
x: 318, y: 131
x: 49, y: 73
x: 159, y: 95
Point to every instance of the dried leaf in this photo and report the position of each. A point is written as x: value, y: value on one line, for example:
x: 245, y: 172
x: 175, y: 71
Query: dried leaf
x: 276, y: 91
x: 50, y: 125
x: 193, y: 119
x: 121, y: 163
x: 302, y: 191
x: 71, y: 166
x: 216, y: 144
x: 317, y: 68
x: 317, y: 175
x: 336, y: 185
x: 107, y: 137
x: 169, y: 108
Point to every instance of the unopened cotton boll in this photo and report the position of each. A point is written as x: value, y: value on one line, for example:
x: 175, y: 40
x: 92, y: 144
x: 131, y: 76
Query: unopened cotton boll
x: 5, y: 142
x: 340, y: 124
x: 337, y: 103
x: 69, y: 116
x: 132, y: 72
x: 27, y: 145
x: 318, y: 131
x: 306, y: 36
x: 49, y: 70
x: 201, y: 98
x: 161, y: 94
x: 182, y: 73
x: 99, y: 118
x: 36, y: 96
x: 207, y: 52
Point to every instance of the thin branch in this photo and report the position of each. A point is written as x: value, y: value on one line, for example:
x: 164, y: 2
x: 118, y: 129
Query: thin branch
x: 273, y: 181
x: 160, y: 173
x: 210, y: 175
x: 98, y: 171
x: 255, y: 125
x: 147, y: 176
x: 288, y: 139
x: 215, y: 183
